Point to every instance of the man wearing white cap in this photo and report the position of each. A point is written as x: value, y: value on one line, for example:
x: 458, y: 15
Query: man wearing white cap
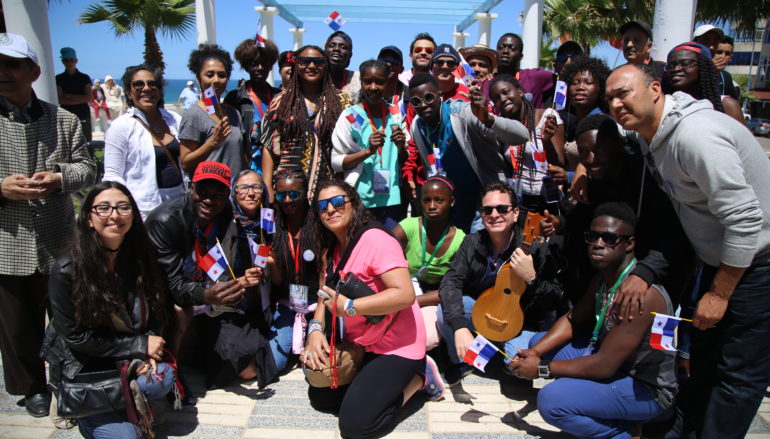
x: 189, y: 96
x: 43, y: 158
x: 115, y: 96
x: 710, y: 36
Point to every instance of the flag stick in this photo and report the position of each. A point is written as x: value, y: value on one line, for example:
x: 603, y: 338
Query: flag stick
x: 226, y: 261
x: 553, y: 102
x: 678, y: 318
x: 498, y: 350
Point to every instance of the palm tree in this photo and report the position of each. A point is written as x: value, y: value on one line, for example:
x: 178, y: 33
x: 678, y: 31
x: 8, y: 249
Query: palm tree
x: 173, y: 18
x: 547, y: 54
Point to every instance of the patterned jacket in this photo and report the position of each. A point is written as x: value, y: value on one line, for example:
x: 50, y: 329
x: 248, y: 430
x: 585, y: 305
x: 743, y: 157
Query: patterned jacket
x: 34, y: 232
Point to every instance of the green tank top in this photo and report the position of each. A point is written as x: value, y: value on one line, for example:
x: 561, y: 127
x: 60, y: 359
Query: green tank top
x: 440, y: 264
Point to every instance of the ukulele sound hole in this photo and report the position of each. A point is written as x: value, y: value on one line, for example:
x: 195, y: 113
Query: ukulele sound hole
x: 507, y: 291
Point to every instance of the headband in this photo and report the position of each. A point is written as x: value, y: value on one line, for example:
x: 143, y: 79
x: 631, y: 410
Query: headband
x: 441, y: 179
x: 693, y: 47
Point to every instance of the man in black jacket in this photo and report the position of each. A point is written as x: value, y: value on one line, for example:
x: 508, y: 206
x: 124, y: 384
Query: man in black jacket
x: 474, y: 270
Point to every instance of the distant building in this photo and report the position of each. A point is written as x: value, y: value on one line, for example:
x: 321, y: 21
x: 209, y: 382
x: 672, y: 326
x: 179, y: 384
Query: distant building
x: 751, y: 57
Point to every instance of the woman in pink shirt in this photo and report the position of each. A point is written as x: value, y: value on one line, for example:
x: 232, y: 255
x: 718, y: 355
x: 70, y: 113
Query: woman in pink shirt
x: 394, y: 367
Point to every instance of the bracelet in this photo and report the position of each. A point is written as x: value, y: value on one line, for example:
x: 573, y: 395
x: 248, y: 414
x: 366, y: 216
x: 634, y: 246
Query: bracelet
x: 311, y: 321
x: 314, y: 329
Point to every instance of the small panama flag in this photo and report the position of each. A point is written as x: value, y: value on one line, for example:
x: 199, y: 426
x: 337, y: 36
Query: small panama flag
x: 259, y: 41
x: 259, y: 252
x: 480, y: 352
x: 335, y: 20
x: 214, y: 262
x: 210, y: 100
x: 662, y: 332
x: 432, y: 163
x: 268, y: 220
x: 355, y: 119
x: 541, y: 162
x: 464, y: 72
x: 560, y: 96
x: 437, y: 158
x: 395, y: 113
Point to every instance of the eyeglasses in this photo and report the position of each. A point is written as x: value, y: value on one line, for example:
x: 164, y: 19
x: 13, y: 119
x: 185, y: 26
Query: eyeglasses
x: 564, y: 58
x: 213, y: 196
x: 452, y: 64
x: 427, y: 99
x: 723, y: 52
x: 244, y: 188
x: 337, y: 201
x: 105, y: 210
x: 502, y: 209
x: 609, y: 239
x: 291, y: 195
x: 685, y: 64
x: 304, y: 61
x: 141, y: 84
x: 428, y: 50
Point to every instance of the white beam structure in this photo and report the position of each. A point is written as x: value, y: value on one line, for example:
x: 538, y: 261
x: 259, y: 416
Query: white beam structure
x: 266, y: 19
x: 532, y: 34
x: 29, y: 18
x: 297, y: 31
x: 459, y: 38
x: 485, y: 26
x: 206, y: 21
x: 672, y: 24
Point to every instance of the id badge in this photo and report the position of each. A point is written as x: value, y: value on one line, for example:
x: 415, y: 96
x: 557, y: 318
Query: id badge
x: 298, y: 298
x: 416, y: 286
x: 381, y: 181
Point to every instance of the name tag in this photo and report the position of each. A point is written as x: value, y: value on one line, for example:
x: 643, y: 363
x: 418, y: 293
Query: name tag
x: 298, y: 298
x: 381, y: 181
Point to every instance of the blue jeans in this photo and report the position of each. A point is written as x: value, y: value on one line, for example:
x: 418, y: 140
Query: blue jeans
x: 114, y: 425
x: 511, y: 347
x: 465, y: 210
x: 281, y: 335
x: 389, y: 216
x: 610, y: 411
x: 730, y: 362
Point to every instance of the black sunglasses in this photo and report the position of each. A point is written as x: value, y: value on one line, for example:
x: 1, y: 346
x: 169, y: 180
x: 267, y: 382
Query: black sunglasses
x: 305, y: 61
x: 291, y: 195
x: 502, y: 209
x: 141, y: 84
x: 428, y: 99
x: 336, y: 201
x: 563, y: 58
x: 446, y: 62
x: 609, y: 239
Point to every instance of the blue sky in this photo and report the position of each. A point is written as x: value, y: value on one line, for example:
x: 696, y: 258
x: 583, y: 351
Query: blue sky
x: 101, y: 53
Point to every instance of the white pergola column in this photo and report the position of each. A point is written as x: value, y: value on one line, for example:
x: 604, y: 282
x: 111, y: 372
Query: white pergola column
x: 298, y: 34
x: 459, y: 38
x: 485, y: 26
x: 266, y: 18
x: 532, y: 33
x: 29, y: 18
x: 673, y: 24
x: 206, y: 21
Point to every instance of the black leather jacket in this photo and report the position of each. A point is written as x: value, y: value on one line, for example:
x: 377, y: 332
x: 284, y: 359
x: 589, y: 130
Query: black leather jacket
x: 171, y: 227
x: 69, y: 348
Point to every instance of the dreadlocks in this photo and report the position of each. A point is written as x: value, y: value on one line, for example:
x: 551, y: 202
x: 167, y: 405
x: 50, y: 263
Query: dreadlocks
x: 709, y: 86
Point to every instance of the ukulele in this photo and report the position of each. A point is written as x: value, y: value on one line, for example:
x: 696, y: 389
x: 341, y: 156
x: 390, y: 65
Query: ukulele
x: 497, y: 314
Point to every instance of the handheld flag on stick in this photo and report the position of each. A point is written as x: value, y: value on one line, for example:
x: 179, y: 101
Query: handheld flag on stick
x: 214, y: 262
x: 662, y: 332
x: 268, y: 219
x: 219, y: 246
x: 259, y: 41
x: 335, y: 21
x: 259, y: 253
x: 464, y: 72
x: 560, y: 96
x: 211, y: 101
x: 480, y: 352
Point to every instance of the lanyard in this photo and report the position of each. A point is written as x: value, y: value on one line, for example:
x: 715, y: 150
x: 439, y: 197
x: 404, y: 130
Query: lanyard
x: 199, y: 251
x: 444, y: 234
x: 295, y: 254
x: 605, y: 307
x: 257, y: 101
x: 383, y: 115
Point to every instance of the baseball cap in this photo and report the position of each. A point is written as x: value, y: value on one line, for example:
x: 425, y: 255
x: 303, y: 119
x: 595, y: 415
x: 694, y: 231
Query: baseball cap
x: 694, y: 47
x: 706, y: 28
x: 445, y: 50
x: 391, y: 50
x: 212, y: 171
x: 15, y: 46
x: 189, y: 83
x: 68, y: 53
x: 636, y: 23
x: 107, y: 78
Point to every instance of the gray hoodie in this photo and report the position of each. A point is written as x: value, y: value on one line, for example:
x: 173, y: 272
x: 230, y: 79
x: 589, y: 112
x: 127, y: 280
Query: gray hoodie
x: 718, y: 179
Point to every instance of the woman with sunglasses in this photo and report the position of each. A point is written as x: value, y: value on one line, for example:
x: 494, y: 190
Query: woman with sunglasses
x: 141, y: 148
x: 394, y: 366
x: 430, y: 243
x: 108, y: 303
x: 689, y: 69
x: 211, y: 136
x: 297, y: 128
x: 369, y: 146
x: 294, y: 265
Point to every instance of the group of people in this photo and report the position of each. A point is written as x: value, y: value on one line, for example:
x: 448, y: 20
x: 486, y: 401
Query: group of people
x: 378, y: 208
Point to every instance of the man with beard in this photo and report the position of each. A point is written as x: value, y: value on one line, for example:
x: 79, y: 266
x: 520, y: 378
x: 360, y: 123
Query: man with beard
x: 537, y: 83
x: 420, y: 52
x: 338, y: 50
x: 637, y: 43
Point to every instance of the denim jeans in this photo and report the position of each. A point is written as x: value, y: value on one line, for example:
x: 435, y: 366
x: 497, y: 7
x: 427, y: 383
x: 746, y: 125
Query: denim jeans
x: 115, y: 425
x: 614, y: 405
x: 281, y: 335
x: 511, y: 347
x: 465, y: 210
x: 729, y: 363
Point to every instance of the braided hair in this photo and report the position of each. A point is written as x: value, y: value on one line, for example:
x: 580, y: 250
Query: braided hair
x: 709, y: 84
x: 292, y: 116
x: 307, y: 241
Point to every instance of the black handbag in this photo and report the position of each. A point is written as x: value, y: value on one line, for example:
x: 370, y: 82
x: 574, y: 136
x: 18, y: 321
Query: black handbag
x: 90, y: 393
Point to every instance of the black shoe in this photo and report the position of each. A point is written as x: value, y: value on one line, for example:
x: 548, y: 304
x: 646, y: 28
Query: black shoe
x: 37, y: 405
x: 455, y: 373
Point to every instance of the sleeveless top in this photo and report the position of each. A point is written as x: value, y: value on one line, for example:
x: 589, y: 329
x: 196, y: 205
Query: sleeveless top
x: 440, y: 264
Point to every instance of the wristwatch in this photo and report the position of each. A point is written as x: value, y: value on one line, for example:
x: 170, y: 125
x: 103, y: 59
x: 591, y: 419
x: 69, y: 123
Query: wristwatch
x: 349, y: 310
x: 544, y: 370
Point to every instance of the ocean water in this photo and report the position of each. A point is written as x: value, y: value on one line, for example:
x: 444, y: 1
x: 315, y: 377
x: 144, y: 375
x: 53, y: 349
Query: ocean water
x: 173, y: 87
